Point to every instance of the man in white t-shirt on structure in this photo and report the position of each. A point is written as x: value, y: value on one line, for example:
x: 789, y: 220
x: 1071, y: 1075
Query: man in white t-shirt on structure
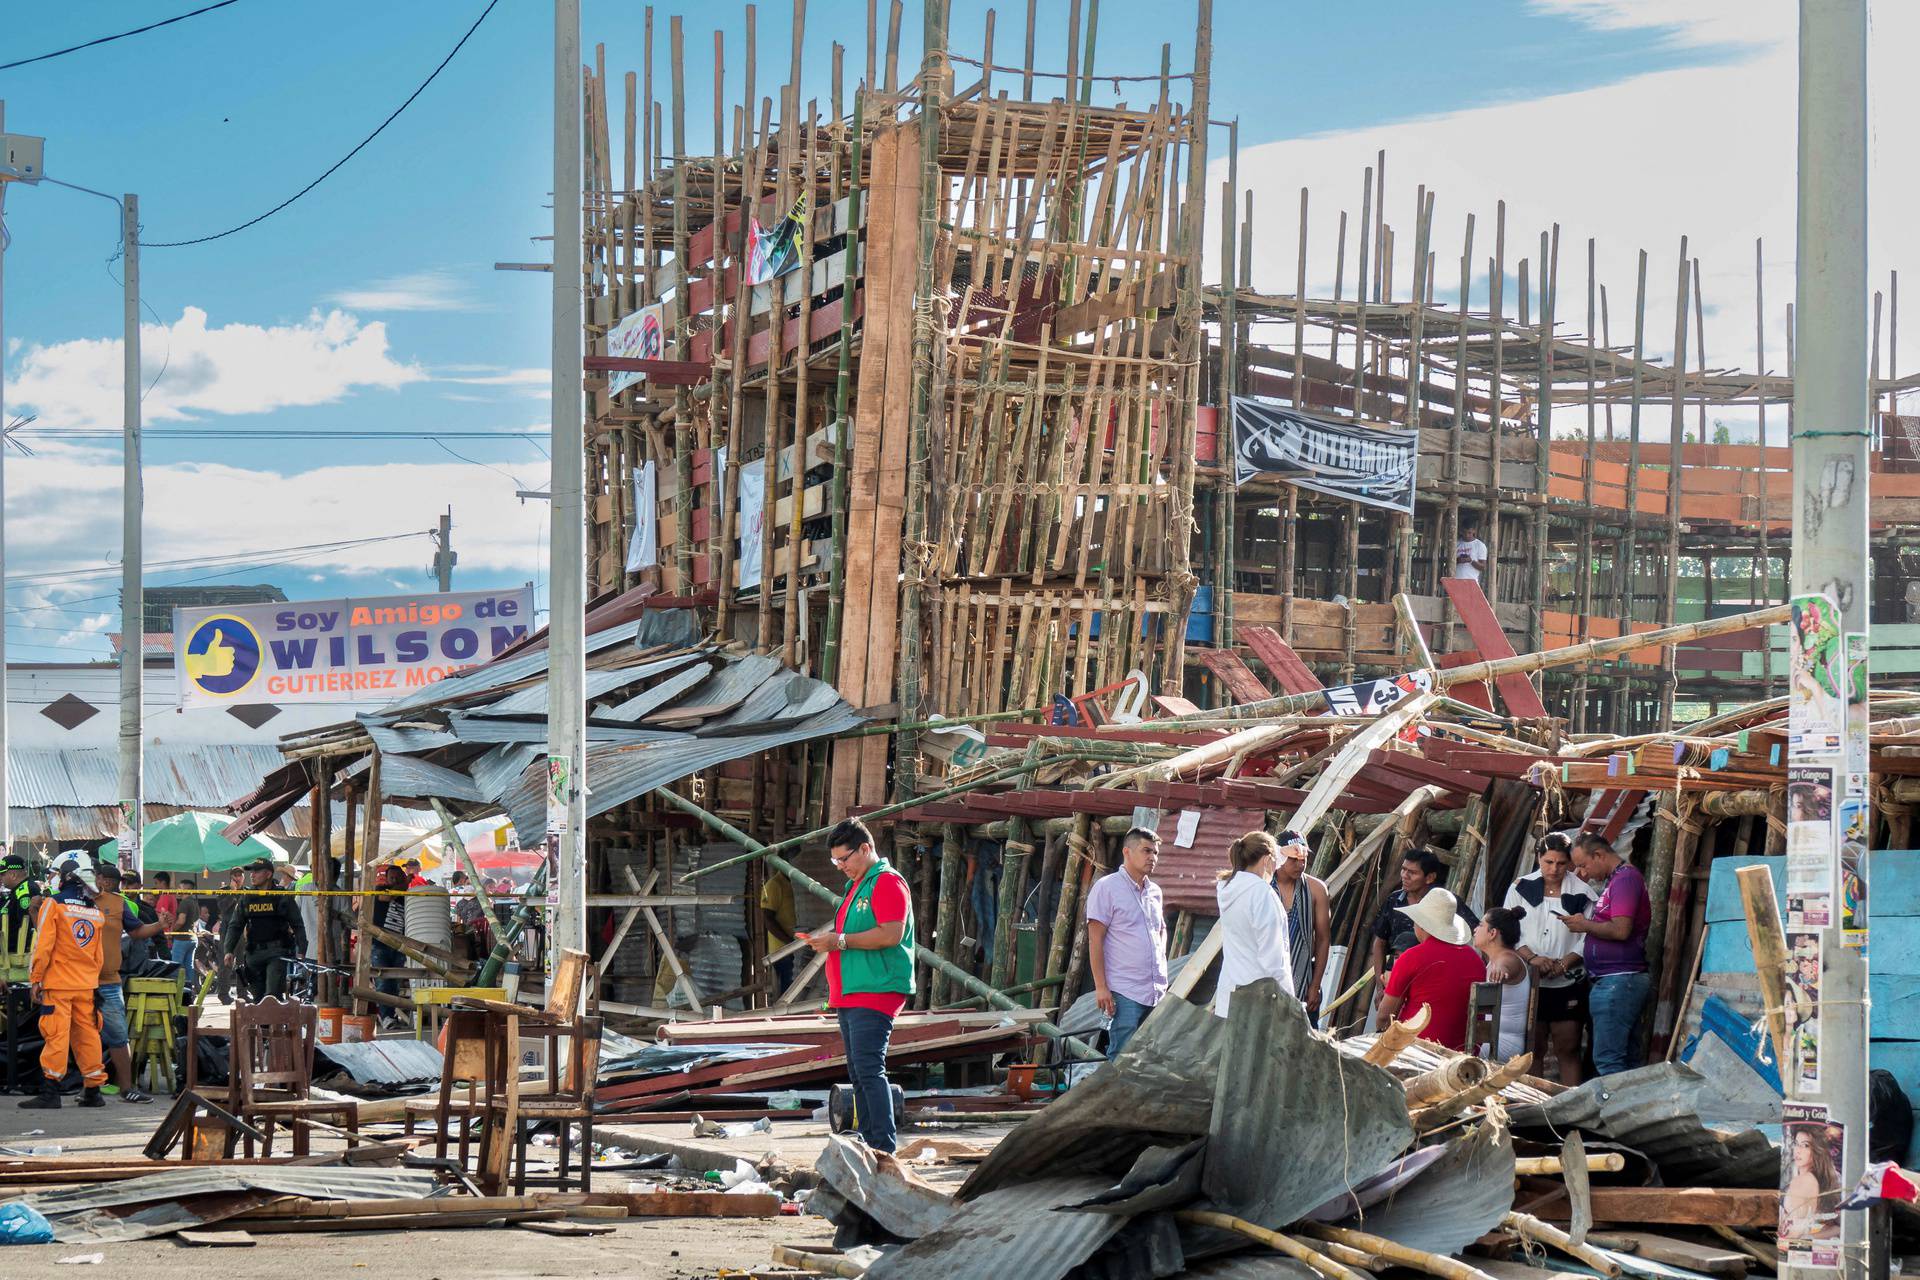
x: 1469, y: 554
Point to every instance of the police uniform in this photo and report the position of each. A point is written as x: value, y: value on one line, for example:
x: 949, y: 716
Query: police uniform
x: 274, y: 933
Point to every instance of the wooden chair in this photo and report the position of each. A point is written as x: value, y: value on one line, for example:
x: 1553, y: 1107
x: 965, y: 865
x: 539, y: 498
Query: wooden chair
x: 270, y: 1075
x: 463, y: 1074
x: 562, y: 1095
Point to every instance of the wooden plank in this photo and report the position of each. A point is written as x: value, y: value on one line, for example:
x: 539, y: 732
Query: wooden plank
x: 1515, y: 690
x: 1241, y: 683
x: 1739, y: 1208
x: 217, y: 1239
x: 1704, y: 1258
x: 1279, y: 657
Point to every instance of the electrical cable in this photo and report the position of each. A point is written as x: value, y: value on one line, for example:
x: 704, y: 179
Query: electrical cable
x: 239, y: 559
x: 335, y: 166
x: 271, y: 433
x: 151, y: 26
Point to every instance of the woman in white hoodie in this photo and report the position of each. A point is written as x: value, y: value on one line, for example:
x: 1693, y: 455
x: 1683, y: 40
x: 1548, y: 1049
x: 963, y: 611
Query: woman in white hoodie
x: 1252, y: 926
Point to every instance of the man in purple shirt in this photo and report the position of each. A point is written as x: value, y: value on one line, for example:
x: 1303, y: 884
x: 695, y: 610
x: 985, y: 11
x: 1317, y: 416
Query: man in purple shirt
x: 1127, y: 939
x: 1616, y: 950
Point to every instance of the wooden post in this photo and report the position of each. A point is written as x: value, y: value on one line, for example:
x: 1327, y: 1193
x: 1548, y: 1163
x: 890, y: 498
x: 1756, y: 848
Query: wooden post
x: 1769, y: 955
x: 1496, y: 393
x: 320, y: 838
x: 1628, y: 575
x: 369, y: 853
x: 1761, y: 572
x: 1676, y: 482
x: 1549, y: 285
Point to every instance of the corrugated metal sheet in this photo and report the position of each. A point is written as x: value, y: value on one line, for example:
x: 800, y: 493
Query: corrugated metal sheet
x: 1656, y: 1111
x: 1186, y: 875
x: 58, y: 825
x: 1450, y: 1202
x: 1275, y: 1153
x: 496, y: 771
x: 418, y: 779
x: 1159, y: 1089
x: 498, y: 675
x: 619, y: 773
x: 882, y: 1188
x: 390, y: 1062
x: 532, y: 700
x: 1014, y: 1231
x: 399, y: 741
x: 96, y: 1212
x: 644, y: 703
x: 194, y: 777
x: 477, y: 729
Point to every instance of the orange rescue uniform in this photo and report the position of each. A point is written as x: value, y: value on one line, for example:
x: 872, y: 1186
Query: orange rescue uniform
x: 68, y: 946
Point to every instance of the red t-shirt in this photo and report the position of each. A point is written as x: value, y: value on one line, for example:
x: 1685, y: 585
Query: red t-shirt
x: 889, y: 905
x: 1440, y: 975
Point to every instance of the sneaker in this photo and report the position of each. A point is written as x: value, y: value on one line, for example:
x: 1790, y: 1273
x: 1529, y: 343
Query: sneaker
x: 134, y: 1095
x: 92, y: 1098
x: 48, y: 1099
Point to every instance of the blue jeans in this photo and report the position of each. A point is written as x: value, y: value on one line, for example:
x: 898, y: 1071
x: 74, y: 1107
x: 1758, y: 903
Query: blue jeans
x: 182, y: 955
x: 1127, y: 1017
x: 386, y: 957
x: 110, y: 1001
x: 1614, y: 1006
x: 866, y: 1033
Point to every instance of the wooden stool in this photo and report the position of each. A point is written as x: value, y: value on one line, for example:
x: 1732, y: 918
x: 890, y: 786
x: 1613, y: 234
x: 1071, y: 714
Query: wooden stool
x: 152, y: 1006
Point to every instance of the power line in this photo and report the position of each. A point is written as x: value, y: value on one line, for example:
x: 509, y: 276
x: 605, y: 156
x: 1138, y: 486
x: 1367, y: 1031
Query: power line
x: 272, y: 433
x: 331, y: 169
x: 151, y: 26
x: 241, y: 559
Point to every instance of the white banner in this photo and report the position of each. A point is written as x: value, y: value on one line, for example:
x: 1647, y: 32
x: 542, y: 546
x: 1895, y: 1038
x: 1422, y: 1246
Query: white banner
x: 751, y: 519
x: 643, y: 552
x: 369, y: 650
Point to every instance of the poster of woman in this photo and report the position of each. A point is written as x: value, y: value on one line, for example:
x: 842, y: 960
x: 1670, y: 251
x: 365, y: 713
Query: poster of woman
x: 1810, y: 1181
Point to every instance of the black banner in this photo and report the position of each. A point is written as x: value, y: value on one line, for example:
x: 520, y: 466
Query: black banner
x: 1374, y: 465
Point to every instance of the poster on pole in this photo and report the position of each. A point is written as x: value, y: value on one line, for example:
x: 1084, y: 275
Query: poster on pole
x: 559, y: 787
x: 1801, y: 1006
x: 1374, y: 465
x: 1858, y: 715
x: 1810, y: 844
x: 1816, y: 678
x: 640, y: 336
x: 1854, y: 821
x: 370, y: 649
x: 1811, y: 1157
x: 131, y: 830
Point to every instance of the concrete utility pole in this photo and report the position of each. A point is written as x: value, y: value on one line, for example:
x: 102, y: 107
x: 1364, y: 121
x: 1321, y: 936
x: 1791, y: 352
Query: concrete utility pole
x: 567, y: 625
x: 1830, y: 442
x: 443, y: 557
x: 133, y: 611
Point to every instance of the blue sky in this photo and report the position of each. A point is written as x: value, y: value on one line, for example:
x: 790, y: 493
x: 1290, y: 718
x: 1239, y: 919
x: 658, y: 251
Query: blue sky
x: 372, y: 304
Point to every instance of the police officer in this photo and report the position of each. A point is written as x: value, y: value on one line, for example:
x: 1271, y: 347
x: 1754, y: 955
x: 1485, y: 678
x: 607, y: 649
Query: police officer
x: 270, y: 922
x: 19, y: 903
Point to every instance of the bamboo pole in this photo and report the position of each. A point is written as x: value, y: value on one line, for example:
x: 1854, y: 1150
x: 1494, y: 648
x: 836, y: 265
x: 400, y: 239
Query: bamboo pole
x: 1397, y: 1036
x: 801, y: 880
x: 1319, y: 1261
x: 842, y: 450
x: 1519, y: 664
x: 1769, y: 945
x: 1419, y: 1259
x: 1676, y: 483
x: 1534, y: 1229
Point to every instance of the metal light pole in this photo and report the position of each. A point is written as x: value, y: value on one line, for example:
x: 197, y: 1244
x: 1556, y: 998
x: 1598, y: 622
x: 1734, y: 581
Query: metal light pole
x: 1830, y: 443
x: 133, y: 620
x: 566, y: 635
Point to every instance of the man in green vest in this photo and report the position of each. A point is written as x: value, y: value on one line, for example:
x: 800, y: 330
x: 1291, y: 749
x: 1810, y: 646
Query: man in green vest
x: 869, y: 971
x: 18, y: 905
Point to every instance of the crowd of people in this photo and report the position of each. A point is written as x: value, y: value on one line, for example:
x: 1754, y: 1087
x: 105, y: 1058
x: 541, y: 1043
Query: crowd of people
x: 69, y: 939
x: 1566, y: 948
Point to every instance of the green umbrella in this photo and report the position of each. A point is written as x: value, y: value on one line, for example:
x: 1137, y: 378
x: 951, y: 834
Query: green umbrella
x: 192, y: 842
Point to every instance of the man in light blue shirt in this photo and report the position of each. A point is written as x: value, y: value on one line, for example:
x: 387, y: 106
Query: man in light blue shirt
x: 1127, y: 938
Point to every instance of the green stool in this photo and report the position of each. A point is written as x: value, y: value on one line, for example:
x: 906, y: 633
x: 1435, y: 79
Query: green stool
x: 152, y: 1006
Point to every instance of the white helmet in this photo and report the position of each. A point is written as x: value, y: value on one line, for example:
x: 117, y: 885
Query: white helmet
x: 76, y: 863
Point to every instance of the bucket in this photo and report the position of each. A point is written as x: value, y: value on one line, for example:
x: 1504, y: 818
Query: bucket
x: 327, y: 1025
x: 357, y: 1029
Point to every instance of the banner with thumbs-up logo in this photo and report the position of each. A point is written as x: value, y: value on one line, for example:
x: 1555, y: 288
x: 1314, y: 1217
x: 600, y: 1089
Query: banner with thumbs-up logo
x: 221, y: 656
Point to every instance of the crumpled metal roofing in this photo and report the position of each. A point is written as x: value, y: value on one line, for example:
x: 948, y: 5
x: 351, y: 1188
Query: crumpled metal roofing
x: 1449, y: 1201
x: 1294, y: 1119
x: 388, y: 1062
x: 1656, y: 1111
x: 96, y: 1212
x: 879, y: 1186
x: 1013, y: 1231
x: 1158, y: 1091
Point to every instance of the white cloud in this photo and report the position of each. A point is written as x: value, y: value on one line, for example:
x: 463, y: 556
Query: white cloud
x: 55, y: 505
x: 531, y: 382
x: 1704, y: 150
x: 433, y: 290
x: 222, y: 369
